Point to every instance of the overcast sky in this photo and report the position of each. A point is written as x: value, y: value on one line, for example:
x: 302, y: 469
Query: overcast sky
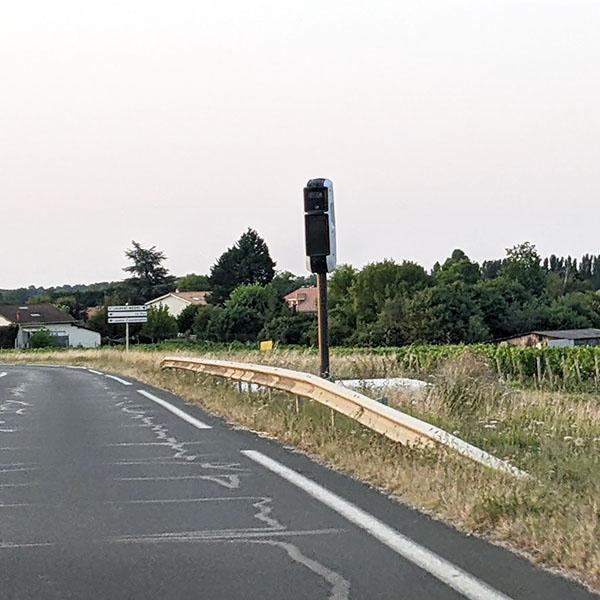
x: 442, y: 123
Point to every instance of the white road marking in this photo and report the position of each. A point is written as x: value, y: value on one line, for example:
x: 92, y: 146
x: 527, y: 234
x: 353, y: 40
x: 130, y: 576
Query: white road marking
x: 448, y: 573
x: 9, y: 546
x: 217, y: 535
x: 127, y: 444
x: 3, y: 375
x: 18, y: 469
x: 174, y: 478
x: 340, y: 587
x: 176, y: 411
x: 118, y: 379
x: 176, y: 500
x: 12, y: 485
x: 95, y: 372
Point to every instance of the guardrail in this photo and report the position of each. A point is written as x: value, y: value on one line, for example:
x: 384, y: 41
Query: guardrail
x: 385, y: 420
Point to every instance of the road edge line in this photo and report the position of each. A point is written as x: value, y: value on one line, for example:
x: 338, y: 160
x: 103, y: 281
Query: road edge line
x: 176, y: 411
x: 454, y: 577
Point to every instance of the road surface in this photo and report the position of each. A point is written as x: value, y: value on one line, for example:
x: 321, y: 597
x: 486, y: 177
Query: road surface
x: 110, y: 489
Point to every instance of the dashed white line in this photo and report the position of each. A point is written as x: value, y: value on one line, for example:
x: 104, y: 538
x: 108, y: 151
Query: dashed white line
x: 3, y: 375
x: 218, y: 535
x: 13, y: 485
x: 128, y: 444
x: 176, y: 411
x: 448, y: 573
x: 9, y: 546
x: 122, y: 381
x: 185, y: 500
x: 95, y: 372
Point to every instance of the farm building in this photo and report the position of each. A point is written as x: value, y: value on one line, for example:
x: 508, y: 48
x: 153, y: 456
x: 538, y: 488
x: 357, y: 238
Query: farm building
x: 567, y: 338
x: 176, y: 301
x: 26, y: 320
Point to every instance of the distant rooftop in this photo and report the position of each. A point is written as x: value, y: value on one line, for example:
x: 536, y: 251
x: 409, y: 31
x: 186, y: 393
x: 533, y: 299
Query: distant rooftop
x: 193, y: 297
x: 32, y: 314
x: 571, y: 334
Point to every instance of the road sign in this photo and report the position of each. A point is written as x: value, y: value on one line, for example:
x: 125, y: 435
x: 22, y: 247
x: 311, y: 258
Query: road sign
x: 129, y: 314
x: 126, y: 314
x: 128, y: 319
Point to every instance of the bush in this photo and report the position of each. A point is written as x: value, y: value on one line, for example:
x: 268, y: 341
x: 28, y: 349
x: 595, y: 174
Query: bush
x: 7, y: 336
x: 42, y: 339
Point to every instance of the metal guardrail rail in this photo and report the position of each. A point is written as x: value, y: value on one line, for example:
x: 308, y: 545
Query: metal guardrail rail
x: 385, y: 420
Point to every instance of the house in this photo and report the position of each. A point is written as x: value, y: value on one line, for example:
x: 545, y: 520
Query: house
x: 27, y: 319
x: 567, y: 338
x: 176, y: 301
x: 303, y: 300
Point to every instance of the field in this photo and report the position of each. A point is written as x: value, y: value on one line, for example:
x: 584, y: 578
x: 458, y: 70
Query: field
x: 547, y: 424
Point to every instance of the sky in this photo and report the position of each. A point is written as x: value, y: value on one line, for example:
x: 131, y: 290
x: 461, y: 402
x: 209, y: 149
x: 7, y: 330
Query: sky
x: 442, y: 123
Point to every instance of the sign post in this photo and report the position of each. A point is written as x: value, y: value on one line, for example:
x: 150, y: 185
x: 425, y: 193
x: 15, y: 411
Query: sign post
x: 127, y: 314
x: 321, y: 255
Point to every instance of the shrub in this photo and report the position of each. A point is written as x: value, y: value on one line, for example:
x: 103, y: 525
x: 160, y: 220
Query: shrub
x: 42, y: 339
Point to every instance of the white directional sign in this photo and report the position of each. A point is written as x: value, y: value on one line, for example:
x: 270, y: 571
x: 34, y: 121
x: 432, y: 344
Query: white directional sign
x: 128, y: 319
x: 127, y: 314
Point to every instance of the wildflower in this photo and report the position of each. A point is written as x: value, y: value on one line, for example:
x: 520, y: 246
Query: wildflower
x: 567, y: 438
x: 579, y: 442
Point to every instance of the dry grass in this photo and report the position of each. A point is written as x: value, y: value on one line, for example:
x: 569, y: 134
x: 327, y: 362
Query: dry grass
x: 556, y: 437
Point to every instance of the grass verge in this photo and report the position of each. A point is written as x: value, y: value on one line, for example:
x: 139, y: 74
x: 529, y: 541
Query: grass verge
x: 553, y: 517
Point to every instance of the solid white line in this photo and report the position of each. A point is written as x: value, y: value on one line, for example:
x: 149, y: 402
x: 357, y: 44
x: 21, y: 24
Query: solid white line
x: 176, y: 411
x: 95, y: 372
x: 3, y: 374
x: 118, y: 379
x: 453, y: 576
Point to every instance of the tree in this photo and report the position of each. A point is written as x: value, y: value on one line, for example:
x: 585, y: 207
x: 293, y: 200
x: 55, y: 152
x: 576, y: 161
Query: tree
x: 247, y: 262
x: 150, y: 276
x: 444, y: 314
x: 185, y: 320
x: 458, y: 268
x: 248, y: 309
x: 209, y: 323
x: 291, y: 328
x: 193, y: 283
x: 523, y: 264
x: 379, y: 282
x: 342, y: 312
x: 160, y: 325
x: 286, y: 282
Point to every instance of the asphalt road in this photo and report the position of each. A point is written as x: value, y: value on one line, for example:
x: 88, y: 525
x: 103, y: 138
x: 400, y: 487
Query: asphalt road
x: 110, y: 489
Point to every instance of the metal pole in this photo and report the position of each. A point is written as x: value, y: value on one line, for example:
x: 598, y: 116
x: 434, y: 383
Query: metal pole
x: 126, y: 337
x: 323, y: 325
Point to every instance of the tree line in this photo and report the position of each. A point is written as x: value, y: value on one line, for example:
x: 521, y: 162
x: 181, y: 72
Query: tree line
x: 385, y: 303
